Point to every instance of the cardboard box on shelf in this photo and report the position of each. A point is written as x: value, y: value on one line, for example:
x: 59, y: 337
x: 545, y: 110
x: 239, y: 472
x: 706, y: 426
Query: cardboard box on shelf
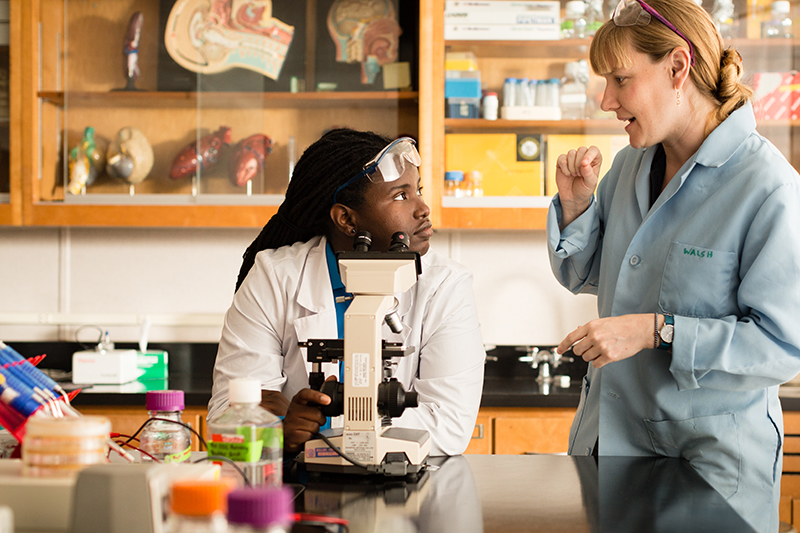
x: 510, y: 163
x: 558, y: 144
x: 777, y: 95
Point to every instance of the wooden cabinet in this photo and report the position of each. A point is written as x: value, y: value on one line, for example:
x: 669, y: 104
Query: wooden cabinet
x: 521, y: 430
x: 790, y: 480
x: 74, y: 68
x: 128, y: 419
x: 66, y: 62
x: 497, y: 60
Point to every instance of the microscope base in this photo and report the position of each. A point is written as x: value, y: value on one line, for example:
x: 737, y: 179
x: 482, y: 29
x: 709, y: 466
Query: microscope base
x: 396, y: 452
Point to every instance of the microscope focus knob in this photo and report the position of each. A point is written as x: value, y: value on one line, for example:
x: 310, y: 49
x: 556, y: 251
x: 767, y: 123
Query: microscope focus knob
x: 335, y: 390
x: 393, y: 399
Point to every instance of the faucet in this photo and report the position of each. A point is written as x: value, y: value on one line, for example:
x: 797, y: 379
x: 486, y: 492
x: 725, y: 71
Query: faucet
x: 544, y: 359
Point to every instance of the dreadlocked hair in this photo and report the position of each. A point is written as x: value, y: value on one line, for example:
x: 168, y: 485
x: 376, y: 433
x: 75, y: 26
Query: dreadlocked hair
x: 336, y: 157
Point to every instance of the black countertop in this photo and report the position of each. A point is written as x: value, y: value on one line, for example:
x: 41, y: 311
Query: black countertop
x: 521, y: 493
x: 508, y: 382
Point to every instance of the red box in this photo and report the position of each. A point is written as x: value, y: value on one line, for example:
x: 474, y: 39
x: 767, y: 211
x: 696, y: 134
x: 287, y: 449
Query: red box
x: 777, y: 95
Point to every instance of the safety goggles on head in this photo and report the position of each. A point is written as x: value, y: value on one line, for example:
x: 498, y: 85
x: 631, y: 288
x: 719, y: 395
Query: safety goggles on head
x: 388, y: 165
x: 638, y: 13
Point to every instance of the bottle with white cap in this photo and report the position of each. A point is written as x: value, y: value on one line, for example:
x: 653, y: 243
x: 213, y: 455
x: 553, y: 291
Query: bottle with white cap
x: 249, y: 435
x: 574, y: 25
x: 779, y: 25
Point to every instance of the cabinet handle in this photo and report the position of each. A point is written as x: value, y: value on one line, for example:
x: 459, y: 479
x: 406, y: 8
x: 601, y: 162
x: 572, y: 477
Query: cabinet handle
x: 480, y: 431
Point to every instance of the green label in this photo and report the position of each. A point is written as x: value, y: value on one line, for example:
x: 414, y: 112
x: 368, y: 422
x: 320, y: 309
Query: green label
x: 241, y: 452
x: 178, y: 457
x: 246, y: 444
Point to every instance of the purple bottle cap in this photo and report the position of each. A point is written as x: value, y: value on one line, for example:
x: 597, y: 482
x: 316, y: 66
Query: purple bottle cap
x: 261, y: 507
x: 164, y: 400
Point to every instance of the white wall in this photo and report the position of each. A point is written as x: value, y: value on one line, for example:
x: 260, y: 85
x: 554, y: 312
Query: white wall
x: 183, y: 279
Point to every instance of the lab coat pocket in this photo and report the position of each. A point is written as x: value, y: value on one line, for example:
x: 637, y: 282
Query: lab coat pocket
x: 709, y: 443
x: 699, y: 282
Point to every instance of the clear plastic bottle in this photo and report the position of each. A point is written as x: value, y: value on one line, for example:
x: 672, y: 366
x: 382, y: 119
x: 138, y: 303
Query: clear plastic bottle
x: 779, y: 25
x: 476, y: 183
x: 574, y: 25
x: 260, y: 510
x: 573, y: 91
x: 198, y: 506
x: 249, y: 435
x: 453, y: 181
x: 169, y: 442
x: 509, y: 92
x: 725, y: 18
x: 594, y: 16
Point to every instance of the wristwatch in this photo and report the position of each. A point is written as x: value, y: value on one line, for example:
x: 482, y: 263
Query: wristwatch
x: 667, y: 332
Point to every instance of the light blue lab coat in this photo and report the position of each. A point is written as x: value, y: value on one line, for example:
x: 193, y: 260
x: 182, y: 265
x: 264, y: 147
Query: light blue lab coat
x: 720, y: 250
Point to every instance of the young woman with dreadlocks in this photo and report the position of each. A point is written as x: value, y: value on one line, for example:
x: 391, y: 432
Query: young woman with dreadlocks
x: 289, y: 281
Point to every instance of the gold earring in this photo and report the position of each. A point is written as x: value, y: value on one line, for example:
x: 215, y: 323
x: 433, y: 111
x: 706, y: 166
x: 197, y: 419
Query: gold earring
x: 678, y: 94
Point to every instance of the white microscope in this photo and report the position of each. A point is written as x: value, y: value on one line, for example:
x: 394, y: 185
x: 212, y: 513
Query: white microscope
x: 369, y: 397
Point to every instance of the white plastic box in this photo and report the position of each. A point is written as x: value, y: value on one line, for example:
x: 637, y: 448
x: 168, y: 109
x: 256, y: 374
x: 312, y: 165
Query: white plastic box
x: 502, y: 20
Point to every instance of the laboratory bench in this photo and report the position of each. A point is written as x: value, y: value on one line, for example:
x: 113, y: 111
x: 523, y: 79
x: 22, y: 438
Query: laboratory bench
x: 518, y: 416
x: 543, y: 493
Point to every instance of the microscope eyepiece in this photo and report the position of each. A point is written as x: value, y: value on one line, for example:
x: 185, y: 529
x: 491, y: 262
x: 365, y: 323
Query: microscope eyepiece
x: 399, y: 242
x: 362, y: 242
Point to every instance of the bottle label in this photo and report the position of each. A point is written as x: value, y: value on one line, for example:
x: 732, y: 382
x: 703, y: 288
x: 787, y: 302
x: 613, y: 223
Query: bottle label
x: 240, y: 447
x: 178, y: 457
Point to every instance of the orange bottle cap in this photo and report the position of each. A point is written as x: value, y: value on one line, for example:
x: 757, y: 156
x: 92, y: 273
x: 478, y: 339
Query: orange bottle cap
x: 200, y: 497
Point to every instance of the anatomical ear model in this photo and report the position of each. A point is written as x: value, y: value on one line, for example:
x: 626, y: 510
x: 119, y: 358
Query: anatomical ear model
x: 366, y: 32
x: 211, y: 36
x: 249, y: 157
x: 129, y: 156
x: 200, y: 155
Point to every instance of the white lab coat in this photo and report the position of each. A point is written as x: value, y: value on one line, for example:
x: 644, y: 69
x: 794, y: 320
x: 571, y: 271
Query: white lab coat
x: 287, y: 297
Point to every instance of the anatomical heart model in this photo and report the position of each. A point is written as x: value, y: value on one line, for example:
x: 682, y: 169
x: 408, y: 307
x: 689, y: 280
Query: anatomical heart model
x: 200, y: 155
x: 366, y: 32
x: 211, y: 36
x: 249, y: 157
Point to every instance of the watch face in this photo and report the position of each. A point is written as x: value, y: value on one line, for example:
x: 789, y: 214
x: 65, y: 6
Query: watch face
x: 666, y: 333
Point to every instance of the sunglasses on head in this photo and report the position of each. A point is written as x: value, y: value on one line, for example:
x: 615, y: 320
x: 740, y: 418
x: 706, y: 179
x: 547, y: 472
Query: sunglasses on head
x: 388, y: 165
x: 638, y: 13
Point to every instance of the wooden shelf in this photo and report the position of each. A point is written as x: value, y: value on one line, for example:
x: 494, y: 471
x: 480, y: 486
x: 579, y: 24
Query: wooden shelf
x: 567, y: 48
x: 547, y: 126
x: 578, y: 48
x: 230, y: 99
x: 494, y: 218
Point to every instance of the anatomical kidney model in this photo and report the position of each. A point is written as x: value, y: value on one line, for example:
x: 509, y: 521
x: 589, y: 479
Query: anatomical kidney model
x: 202, y: 154
x: 210, y: 36
x: 366, y: 32
x: 86, y: 161
x: 248, y: 160
x: 129, y: 156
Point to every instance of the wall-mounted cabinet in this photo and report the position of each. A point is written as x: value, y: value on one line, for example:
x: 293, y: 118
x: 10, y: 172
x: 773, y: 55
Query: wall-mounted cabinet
x: 467, y: 145
x: 213, y: 79
x: 10, y: 183
x: 67, y: 72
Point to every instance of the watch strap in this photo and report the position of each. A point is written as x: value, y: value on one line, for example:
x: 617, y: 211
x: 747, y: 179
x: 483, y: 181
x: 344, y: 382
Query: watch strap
x: 669, y: 320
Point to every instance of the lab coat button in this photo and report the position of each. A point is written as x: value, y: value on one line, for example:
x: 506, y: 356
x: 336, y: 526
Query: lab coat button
x: 635, y: 260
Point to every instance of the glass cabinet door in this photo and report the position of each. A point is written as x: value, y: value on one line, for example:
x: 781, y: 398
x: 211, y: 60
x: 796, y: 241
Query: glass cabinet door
x: 5, y: 107
x: 186, y: 102
x: 528, y: 61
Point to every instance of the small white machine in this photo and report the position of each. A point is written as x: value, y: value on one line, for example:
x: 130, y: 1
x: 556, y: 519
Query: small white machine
x: 369, y: 397
x: 104, y: 364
